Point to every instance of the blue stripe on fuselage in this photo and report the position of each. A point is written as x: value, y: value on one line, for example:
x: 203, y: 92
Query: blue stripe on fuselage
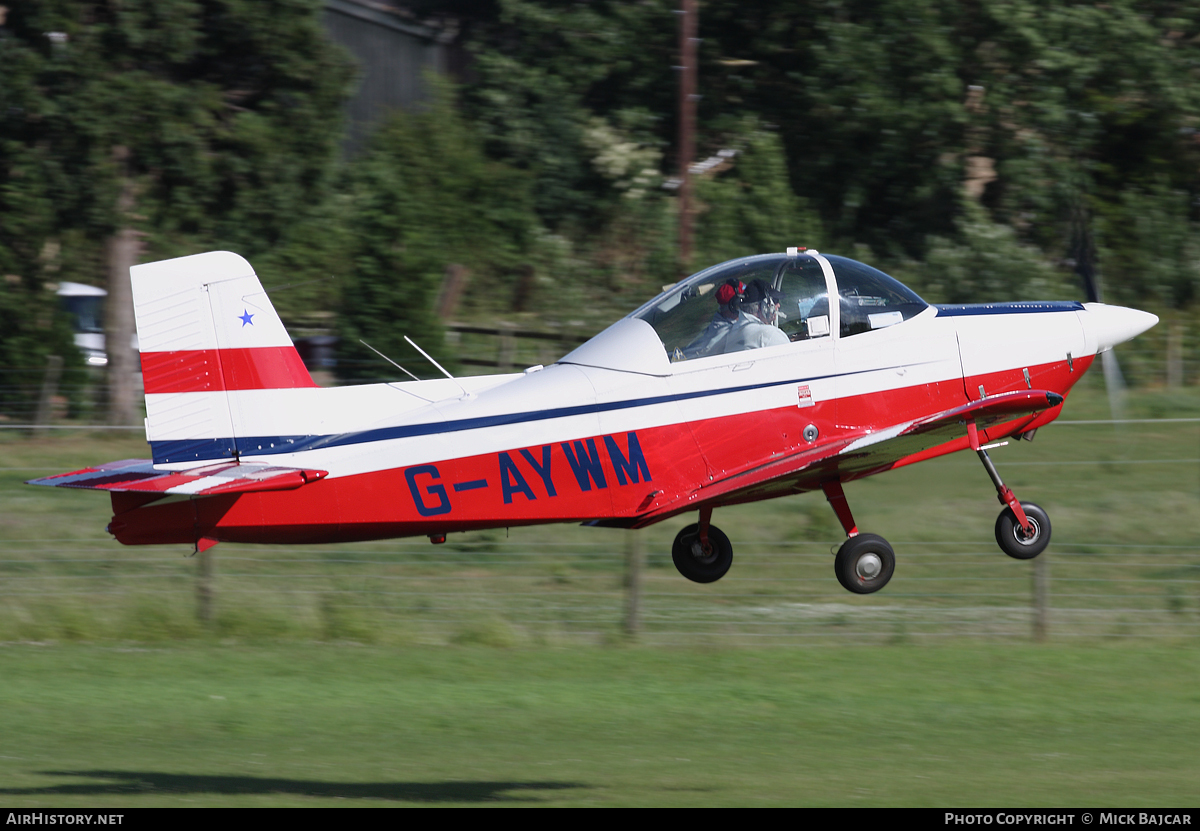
x: 969, y: 309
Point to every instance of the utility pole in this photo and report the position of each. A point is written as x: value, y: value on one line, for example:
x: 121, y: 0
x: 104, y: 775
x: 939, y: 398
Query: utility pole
x: 688, y: 26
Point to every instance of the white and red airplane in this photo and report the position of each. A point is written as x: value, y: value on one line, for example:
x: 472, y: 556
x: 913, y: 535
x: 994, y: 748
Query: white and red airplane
x: 742, y: 382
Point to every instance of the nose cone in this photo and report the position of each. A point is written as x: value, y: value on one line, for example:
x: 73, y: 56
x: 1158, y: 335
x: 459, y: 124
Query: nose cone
x: 1107, y: 326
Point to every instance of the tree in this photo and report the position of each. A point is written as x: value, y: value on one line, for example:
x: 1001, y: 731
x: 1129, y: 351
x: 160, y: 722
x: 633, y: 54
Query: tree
x: 544, y: 74
x: 31, y: 325
x: 170, y: 126
x: 750, y: 207
x: 424, y: 197
x: 1088, y: 110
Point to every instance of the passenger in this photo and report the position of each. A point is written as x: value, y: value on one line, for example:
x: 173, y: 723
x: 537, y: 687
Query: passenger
x: 727, y: 317
x: 760, y: 305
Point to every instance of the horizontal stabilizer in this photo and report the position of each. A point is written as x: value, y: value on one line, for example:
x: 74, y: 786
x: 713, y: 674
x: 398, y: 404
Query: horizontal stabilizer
x: 140, y: 476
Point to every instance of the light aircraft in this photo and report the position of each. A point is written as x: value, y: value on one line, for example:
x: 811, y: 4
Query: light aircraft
x: 756, y: 378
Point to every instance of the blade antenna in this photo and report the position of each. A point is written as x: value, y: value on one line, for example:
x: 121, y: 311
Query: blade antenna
x: 389, y: 360
x: 402, y: 369
x: 435, y: 363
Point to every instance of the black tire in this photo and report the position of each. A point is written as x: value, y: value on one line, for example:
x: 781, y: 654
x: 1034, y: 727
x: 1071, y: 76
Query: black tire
x: 1012, y: 539
x: 865, y: 563
x: 698, y: 563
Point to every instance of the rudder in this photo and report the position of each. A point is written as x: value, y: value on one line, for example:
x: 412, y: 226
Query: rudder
x: 208, y: 334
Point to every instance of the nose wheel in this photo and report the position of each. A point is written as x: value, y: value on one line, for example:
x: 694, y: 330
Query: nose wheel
x: 1023, y: 543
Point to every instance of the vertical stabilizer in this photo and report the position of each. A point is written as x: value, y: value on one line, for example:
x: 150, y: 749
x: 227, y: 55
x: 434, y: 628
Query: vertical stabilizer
x: 208, y: 334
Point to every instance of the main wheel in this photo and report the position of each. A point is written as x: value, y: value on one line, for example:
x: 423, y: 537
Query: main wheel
x: 1013, y: 539
x: 702, y: 563
x: 865, y: 563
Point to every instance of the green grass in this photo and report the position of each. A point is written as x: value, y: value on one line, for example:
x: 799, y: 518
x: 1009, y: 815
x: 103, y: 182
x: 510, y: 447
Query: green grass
x: 943, y: 726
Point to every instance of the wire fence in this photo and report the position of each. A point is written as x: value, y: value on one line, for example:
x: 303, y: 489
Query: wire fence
x: 515, y: 593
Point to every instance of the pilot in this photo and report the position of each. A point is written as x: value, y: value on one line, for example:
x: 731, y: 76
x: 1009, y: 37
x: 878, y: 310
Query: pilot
x: 760, y: 328
x: 728, y: 316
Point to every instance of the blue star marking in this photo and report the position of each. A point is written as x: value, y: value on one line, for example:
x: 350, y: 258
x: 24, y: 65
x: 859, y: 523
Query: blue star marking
x: 244, y: 317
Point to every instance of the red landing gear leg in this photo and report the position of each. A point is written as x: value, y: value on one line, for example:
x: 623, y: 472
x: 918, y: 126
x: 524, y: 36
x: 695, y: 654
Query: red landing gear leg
x: 1005, y: 495
x: 865, y: 562
x: 705, y: 521
x: 1022, y: 529
x: 837, y: 499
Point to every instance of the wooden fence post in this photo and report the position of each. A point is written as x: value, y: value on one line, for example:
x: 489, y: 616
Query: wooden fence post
x: 506, y: 350
x: 45, y: 408
x: 206, y: 588
x: 1041, y: 597
x: 634, y: 554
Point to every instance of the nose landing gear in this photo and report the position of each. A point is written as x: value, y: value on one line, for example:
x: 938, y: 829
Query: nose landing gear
x: 1023, y: 528
x: 1019, y: 542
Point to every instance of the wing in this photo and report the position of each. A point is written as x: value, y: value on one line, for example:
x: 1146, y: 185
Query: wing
x: 139, y: 476
x: 855, y: 456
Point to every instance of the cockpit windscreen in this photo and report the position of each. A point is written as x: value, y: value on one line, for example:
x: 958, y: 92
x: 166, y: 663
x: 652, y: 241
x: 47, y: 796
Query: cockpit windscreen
x: 771, y: 300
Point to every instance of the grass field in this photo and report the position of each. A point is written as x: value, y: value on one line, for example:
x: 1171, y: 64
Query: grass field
x: 494, y: 669
x: 1000, y: 725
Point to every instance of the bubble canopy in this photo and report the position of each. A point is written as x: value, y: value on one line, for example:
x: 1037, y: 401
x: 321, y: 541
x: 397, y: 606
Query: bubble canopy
x: 773, y: 299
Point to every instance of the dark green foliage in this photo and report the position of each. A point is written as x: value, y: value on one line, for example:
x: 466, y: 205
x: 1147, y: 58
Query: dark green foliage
x: 1150, y: 249
x: 867, y: 101
x: 218, y: 119
x: 985, y: 262
x: 32, y: 327
x: 1082, y: 110
x: 228, y: 112
x: 1090, y: 112
x: 545, y: 70
x: 751, y: 208
x: 424, y: 197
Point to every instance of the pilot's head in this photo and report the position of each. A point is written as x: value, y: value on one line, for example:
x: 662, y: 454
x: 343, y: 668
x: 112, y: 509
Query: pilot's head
x: 729, y: 297
x: 762, y: 301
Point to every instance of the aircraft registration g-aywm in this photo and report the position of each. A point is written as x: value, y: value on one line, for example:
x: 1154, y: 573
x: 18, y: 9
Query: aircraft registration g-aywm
x: 756, y: 378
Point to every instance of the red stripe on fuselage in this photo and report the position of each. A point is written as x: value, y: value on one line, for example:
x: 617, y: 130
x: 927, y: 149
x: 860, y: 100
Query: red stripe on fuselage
x: 215, y: 370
